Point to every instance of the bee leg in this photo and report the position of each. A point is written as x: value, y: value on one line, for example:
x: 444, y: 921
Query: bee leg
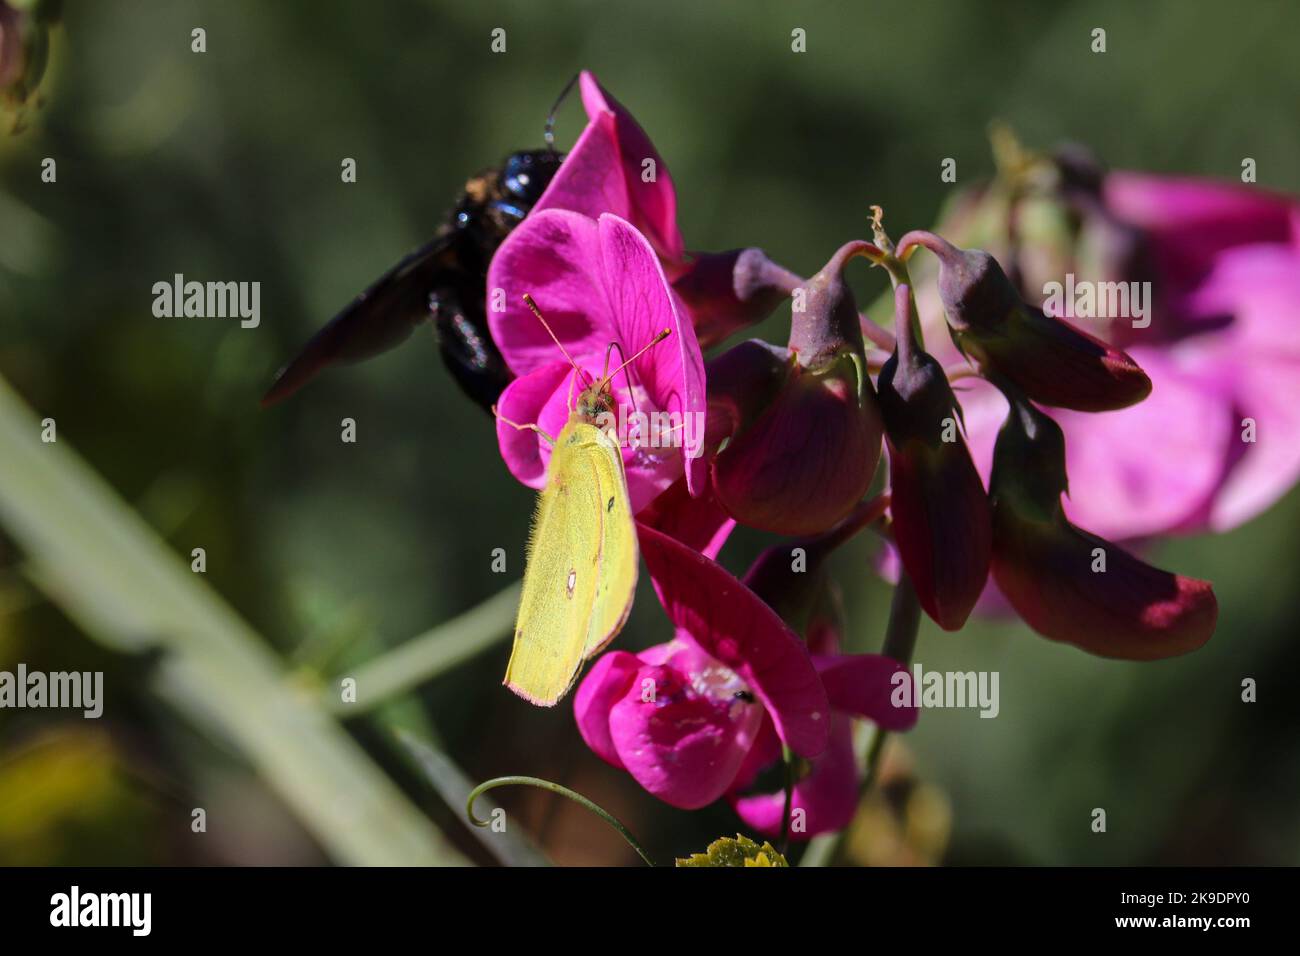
x: 516, y: 425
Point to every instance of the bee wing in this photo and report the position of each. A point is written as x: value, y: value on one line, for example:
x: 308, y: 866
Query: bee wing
x: 377, y: 320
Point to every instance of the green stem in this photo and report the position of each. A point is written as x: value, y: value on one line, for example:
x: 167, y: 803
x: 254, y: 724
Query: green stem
x: 573, y: 795
x: 904, y: 621
x: 900, y: 643
x: 788, y: 808
x: 432, y: 653
x: 887, y: 258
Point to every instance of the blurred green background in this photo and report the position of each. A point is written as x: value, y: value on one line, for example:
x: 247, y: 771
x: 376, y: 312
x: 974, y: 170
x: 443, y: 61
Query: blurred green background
x: 225, y: 165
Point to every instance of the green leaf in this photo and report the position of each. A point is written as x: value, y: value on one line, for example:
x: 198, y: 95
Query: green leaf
x: 742, y: 851
x: 105, y: 567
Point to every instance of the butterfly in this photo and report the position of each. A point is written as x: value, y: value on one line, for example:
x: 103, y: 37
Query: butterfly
x: 582, y: 552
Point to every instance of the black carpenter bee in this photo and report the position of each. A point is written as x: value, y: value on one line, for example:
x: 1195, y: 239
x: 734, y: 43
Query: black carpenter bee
x: 445, y: 281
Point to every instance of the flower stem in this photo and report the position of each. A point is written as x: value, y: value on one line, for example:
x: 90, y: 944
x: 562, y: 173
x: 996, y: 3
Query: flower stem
x: 788, y: 808
x: 573, y: 795
x: 904, y: 621
x: 900, y: 643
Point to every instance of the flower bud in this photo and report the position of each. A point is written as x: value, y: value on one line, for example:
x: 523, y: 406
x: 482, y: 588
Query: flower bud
x: 940, y: 512
x: 1048, y: 359
x: 1070, y: 585
x: 797, y: 590
x: 803, y: 455
x: 24, y: 49
x: 729, y: 291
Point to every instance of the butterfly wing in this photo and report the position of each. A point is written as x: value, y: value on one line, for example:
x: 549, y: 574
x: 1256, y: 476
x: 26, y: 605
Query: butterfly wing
x: 616, y: 580
x: 560, y: 581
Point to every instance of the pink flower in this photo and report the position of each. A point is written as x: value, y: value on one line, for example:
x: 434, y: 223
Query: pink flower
x: 1227, y: 283
x: 615, y: 168
x: 599, y: 283
x: 699, y: 718
x: 681, y: 717
x: 1221, y: 352
x: 607, y: 172
x: 827, y: 795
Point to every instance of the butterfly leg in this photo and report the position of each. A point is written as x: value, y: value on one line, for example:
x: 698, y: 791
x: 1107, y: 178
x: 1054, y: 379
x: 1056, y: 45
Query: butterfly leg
x: 519, y: 427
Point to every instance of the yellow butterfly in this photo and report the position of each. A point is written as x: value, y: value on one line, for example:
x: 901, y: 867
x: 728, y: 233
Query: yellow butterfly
x: 582, y: 552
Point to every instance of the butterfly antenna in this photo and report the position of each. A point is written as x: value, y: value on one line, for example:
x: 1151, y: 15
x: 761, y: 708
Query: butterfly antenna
x: 549, y: 133
x: 645, y: 348
x: 631, y: 393
x: 528, y: 301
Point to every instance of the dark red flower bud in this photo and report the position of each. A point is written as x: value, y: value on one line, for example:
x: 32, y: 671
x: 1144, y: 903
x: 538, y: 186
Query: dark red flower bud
x: 804, y: 453
x: 791, y: 578
x: 940, y: 512
x: 1048, y: 359
x: 24, y: 49
x: 1070, y: 585
x: 728, y: 291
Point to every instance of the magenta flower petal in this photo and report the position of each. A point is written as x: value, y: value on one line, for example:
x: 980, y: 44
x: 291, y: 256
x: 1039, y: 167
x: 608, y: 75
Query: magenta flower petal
x: 732, y: 624
x: 653, y: 204
x: 672, y: 373
x: 827, y: 796
x: 605, y: 684
x: 590, y: 181
x: 765, y: 751
x: 603, y: 173
x: 1151, y: 468
x: 1253, y: 369
x: 555, y: 257
x: 1269, y: 395
x: 681, y: 730
x: 599, y: 283
x: 862, y: 685
x: 1138, y: 472
x: 529, y: 399
x: 1201, y: 217
x: 700, y: 523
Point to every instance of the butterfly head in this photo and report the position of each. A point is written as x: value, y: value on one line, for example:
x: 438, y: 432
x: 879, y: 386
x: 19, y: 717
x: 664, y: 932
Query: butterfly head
x: 595, y: 400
